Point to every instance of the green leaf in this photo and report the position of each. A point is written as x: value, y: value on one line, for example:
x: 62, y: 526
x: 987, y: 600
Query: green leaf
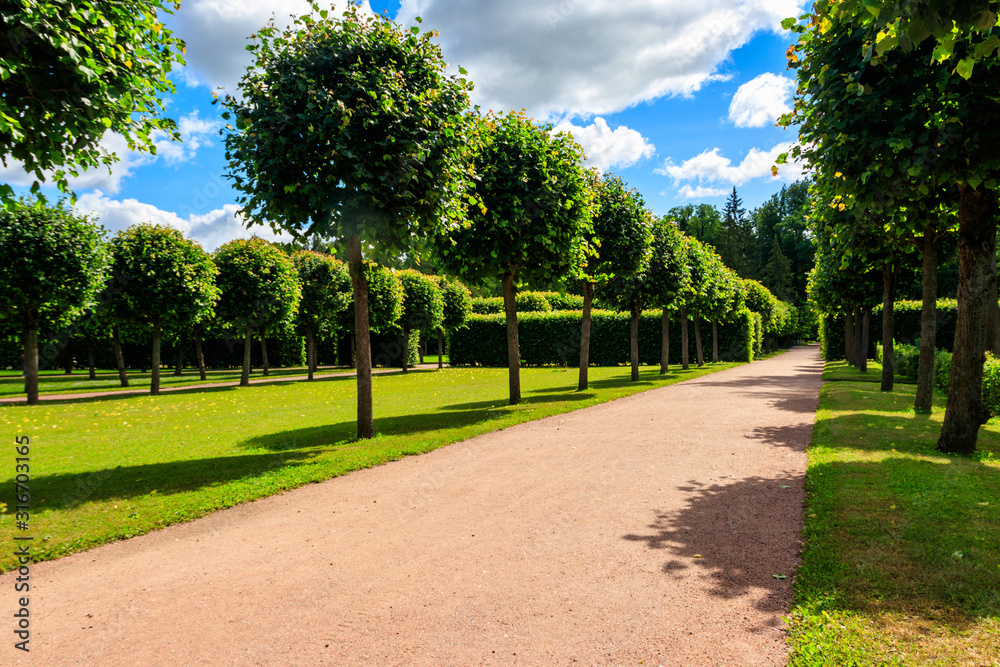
x: 964, y: 68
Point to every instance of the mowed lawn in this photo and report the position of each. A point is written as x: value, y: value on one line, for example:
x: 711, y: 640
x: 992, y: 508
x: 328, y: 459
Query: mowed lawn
x: 108, y: 468
x: 901, y: 563
x: 58, y: 382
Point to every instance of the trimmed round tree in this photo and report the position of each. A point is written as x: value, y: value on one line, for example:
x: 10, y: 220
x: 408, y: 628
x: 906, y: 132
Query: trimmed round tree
x: 163, y: 279
x: 260, y: 289
x: 668, y: 278
x: 618, y: 243
x: 423, y: 307
x: 326, y: 293
x: 457, y: 306
x: 352, y: 129
x: 385, y: 305
x: 534, y: 209
x: 52, y: 264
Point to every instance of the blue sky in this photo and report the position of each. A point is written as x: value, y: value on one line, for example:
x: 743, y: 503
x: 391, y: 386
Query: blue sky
x: 679, y: 98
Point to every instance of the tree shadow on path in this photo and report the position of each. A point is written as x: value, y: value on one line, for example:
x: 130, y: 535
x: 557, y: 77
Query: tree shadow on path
x: 742, y: 538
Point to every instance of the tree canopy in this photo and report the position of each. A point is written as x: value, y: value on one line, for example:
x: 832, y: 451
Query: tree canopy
x: 52, y: 264
x: 70, y: 72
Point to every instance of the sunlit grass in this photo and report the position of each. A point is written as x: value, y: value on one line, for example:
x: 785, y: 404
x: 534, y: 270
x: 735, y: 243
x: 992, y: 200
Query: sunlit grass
x: 901, y: 564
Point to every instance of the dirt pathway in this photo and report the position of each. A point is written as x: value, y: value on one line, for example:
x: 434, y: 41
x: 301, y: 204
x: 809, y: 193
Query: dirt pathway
x: 646, y: 530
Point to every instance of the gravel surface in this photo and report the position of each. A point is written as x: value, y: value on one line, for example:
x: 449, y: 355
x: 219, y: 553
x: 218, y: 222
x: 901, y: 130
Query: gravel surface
x: 646, y: 530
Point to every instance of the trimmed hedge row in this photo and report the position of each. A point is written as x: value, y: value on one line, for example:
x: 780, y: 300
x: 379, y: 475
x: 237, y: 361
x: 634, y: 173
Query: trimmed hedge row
x: 553, y: 338
x: 529, y: 302
x: 907, y: 327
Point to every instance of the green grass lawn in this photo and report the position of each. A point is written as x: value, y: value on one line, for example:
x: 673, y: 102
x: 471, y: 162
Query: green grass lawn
x: 112, y: 467
x: 901, y: 563
x: 57, y: 382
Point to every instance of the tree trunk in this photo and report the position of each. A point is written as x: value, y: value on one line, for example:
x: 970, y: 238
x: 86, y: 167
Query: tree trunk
x: 362, y: 336
x: 179, y: 357
x: 859, y: 321
x: 116, y: 342
x: 405, y: 344
x: 697, y: 340
x: 354, y: 350
x: 30, y: 338
x: 200, y: 355
x: 888, y: 325
x: 684, y: 337
x: 965, y: 411
x: 849, y: 347
x: 263, y: 353
x: 440, y: 349
x: 866, y: 319
x: 588, y: 303
x: 513, y: 348
x: 993, y: 321
x: 68, y: 356
x: 154, y: 365
x: 91, y: 363
x: 634, y: 341
x: 247, y: 340
x: 928, y: 323
x: 311, y: 352
x: 715, y: 341
x: 664, y: 342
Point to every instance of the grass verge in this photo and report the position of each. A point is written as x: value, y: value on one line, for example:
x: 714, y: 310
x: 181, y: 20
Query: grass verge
x: 901, y: 563
x: 113, y: 467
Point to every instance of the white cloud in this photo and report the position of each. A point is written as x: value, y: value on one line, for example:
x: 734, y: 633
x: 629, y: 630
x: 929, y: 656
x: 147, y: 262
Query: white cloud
x: 574, y: 58
x: 760, y: 101
x: 700, y: 192
x: 711, y: 167
x: 216, y: 33
x: 606, y: 148
x: 194, y: 134
x: 211, y: 229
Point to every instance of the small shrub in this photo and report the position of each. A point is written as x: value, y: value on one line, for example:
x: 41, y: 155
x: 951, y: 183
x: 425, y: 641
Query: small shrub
x: 532, y: 302
x: 942, y: 369
x: 564, y: 301
x: 487, y: 305
x: 991, y: 384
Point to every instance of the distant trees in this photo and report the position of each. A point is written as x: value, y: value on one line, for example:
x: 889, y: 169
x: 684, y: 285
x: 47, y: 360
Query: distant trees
x: 423, y: 307
x: 618, y: 246
x: 52, y: 264
x: 326, y: 293
x: 164, y: 279
x: 534, y: 210
x: 260, y: 288
x: 457, y: 306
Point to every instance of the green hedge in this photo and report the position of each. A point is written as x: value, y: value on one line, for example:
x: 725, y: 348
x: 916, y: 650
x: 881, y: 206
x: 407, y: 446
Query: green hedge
x: 907, y: 327
x: 553, y: 338
x: 529, y: 302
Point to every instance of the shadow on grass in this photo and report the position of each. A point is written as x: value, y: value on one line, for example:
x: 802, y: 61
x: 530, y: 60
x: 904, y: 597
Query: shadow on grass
x: 66, y: 491
x: 734, y: 536
x: 912, y: 536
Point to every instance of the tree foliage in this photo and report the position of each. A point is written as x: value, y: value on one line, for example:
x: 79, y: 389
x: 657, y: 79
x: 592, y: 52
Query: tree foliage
x: 70, y: 72
x: 52, y: 264
x: 260, y: 289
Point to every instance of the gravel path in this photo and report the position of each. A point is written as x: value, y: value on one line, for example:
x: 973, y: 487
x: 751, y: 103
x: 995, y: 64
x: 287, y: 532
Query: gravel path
x: 646, y: 530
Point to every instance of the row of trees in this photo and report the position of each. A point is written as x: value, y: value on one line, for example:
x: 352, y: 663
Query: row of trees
x: 771, y: 244
x: 352, y: 130
x: 898, y: 118
x: 60, y: 272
